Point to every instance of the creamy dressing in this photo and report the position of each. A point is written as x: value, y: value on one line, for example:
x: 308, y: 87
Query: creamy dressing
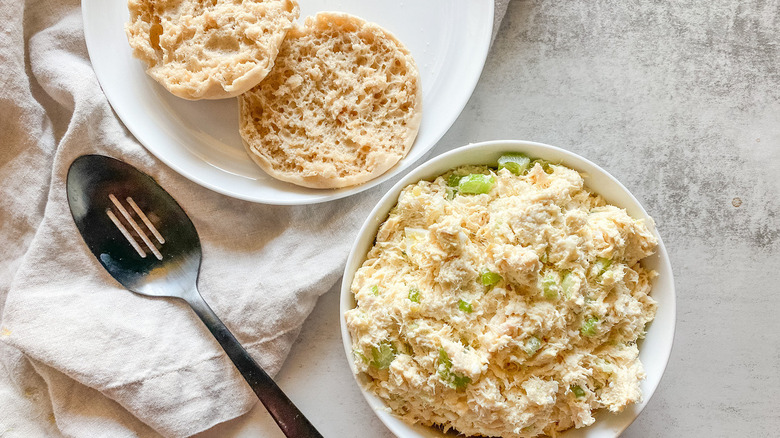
x: 512, y: 313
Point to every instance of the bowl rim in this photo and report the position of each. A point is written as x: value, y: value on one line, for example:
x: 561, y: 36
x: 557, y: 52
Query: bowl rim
x: 464, y: 156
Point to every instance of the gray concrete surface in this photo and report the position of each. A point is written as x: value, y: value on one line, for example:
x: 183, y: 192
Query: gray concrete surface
x: 681, y: 102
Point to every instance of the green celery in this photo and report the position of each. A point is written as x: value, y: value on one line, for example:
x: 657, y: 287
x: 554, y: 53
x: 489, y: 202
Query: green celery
x: 578, y: 392
x: 476, y: 184
x: 546, y: 165
x: 532, y: 345
x: 603, y: 265
x: 382, y: 355
x: 454, y: 380
x: 414, y: 294
x: 567, y: 284
x: 488, y: 278
x: 453, y: 180
x: 514, y: 162
x: 550, y: 285
x: 590, y: 326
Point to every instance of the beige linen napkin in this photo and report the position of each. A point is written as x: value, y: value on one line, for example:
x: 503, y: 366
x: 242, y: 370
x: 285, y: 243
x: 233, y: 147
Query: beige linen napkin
x: 81, y: 355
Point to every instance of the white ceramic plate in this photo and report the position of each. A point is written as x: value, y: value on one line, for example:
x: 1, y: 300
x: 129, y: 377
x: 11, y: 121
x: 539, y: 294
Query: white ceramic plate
x: 449, y: 40
x: 654, y: 350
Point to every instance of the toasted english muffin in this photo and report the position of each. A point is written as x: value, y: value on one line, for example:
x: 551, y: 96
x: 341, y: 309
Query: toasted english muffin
x: 212, y: 49
x: 342, y: 105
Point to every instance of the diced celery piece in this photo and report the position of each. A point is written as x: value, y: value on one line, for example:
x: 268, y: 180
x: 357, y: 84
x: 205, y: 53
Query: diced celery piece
x: 414, y: 294
x: 550, y: 287
x: 514, y: 162
x: 445, y: 374
x: 532, y: 345
x: 488, y: 278
x: 382, y: 355
x: 578, y: 392
x: 567, y: 284
x: 451, y: 193
x: 453, y: 180
x: 375, y: 290
x: 444, y: 358
x: 546, y: 165
x: 460, y: 382
x: 602, y: 265
x: 476, y: 184
x: 455, y: 381
x: 359, y: 355
x: 465, y: 306
x: 589, y: 326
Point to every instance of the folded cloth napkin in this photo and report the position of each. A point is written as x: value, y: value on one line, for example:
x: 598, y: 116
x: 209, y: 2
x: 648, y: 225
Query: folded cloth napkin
x: 81, y: 355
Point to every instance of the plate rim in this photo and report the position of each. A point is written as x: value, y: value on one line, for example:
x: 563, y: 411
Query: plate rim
x: 322, y: 195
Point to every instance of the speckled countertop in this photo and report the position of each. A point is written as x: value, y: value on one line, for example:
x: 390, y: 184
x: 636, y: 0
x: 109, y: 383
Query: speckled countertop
x: 681, y: 102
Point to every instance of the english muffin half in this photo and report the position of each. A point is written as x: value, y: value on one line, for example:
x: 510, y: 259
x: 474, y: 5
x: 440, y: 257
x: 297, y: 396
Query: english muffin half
x: 212, y: 49
x: 342, y: 105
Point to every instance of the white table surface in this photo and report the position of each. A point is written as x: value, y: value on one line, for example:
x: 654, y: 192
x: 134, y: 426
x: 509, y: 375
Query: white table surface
x: 681, y: 102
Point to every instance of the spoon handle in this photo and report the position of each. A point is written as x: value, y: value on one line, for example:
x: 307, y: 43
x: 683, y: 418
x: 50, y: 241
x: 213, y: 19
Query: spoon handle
x: 291, y: 421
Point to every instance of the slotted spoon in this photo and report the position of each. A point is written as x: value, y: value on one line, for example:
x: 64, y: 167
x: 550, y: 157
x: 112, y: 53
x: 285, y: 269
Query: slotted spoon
x: 143, y: 238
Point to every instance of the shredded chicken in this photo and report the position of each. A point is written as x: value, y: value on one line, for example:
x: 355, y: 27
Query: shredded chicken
x: 531, y: 351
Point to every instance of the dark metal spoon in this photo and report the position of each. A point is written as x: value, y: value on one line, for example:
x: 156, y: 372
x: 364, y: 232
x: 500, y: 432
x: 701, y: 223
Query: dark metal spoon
x: 143, y: 238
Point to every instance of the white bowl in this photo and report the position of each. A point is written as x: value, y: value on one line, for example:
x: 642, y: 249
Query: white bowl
x: 654, y: 350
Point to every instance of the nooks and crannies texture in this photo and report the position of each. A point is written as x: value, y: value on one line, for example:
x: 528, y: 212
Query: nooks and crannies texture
x: 342, y: 106
x: 211, y: 49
